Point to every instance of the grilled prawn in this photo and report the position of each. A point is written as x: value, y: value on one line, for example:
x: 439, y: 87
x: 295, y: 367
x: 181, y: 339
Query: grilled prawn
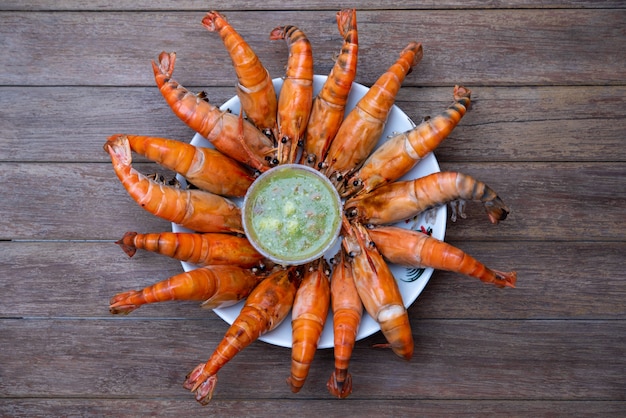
x: 215, y: 286
x: 415, y: 249
x: 230, y: 134
x: 265, y: 308
x: 309, y: 313
x: 205, y: 168
x: 296, y: 94
x: 402, y: 200
x: 378, y: 290
x: 400, y: 153
x: 255, y: 88
x: 364, y: 124
x: 195, y: 209
x: 195, y: 248
x: 329, y: 105
x: 347, y: 312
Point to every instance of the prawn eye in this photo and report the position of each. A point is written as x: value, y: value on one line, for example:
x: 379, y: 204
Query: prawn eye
x: 284, y: 139
x: 339, y: 177
x: 275, y: 161
x: 351, y: 213
x: 300, y: 142
x: 311, y: 159
x: 356, y: 183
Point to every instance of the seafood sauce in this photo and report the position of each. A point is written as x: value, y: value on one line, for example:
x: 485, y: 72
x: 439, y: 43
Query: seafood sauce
x: 292, y: 214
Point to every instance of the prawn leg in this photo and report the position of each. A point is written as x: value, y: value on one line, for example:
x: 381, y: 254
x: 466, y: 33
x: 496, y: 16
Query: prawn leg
x: 265, y: 308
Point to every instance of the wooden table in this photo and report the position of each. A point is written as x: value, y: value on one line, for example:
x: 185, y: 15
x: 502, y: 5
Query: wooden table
x: 546, y: 130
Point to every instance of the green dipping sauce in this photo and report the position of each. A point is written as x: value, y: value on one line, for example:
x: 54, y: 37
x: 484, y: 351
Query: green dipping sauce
x: 292, y: 214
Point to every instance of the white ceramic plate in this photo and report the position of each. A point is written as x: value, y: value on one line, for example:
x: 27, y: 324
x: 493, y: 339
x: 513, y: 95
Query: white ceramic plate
x: 410, y: 281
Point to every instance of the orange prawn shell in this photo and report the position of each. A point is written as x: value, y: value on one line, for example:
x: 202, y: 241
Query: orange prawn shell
x: 230, y: 134
x: 401, y: 200
x: 363, y: 126
x: 296, y: 94
x: 328, y: 108
x: 309, y: 314
x: 195, y: 209
x: 415, y: 250
x: 206, y: 168
x: 380, y: 293
x: 255, y: 88
x: 196, y: 248
x: 400, y: 153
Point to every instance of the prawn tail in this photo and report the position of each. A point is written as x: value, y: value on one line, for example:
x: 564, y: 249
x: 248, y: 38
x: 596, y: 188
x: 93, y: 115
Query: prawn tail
x: 505, y: 279
x: 496, y: 210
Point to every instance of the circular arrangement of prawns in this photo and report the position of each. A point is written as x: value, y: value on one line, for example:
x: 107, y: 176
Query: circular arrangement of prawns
x: 315, y: 131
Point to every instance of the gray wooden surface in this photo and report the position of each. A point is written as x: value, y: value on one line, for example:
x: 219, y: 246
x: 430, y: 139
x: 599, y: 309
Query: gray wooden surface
x: 546, y: 130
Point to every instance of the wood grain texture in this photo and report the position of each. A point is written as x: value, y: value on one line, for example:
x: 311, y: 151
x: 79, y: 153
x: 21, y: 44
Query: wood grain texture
x: 300, y: 407
x: 529, y: 47
x: 295, y: 6
x: 546, y: 130
x: 509, y: 124
x: 454, y: 359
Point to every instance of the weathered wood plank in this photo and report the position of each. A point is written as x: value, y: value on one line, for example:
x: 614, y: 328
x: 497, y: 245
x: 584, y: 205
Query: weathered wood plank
x: 306, y: 407
x: 48, y: 201
x: 493, y: 47
x: 297, y: 5
x: 549, y: 201
x: 77, y: 279
x: 504, y: 124
x: 456, y: 360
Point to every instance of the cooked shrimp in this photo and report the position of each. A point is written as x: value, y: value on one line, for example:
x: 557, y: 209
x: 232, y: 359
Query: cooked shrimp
x: 329, y: 105
x: 364, y: 124
x: 347, y: 312
x: 379, y: 291
x: 309, y: 313
x: 255, y: 88
x: 230, y: 134
x: 195, y: 248
x: 265, y: 308
x: 402, y: 200
x: 415, y: 249
x: 205, y: 168
x: 296, y: 94
x: 195, y: 209
x: 400, y: 153
x: 215, y: 286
